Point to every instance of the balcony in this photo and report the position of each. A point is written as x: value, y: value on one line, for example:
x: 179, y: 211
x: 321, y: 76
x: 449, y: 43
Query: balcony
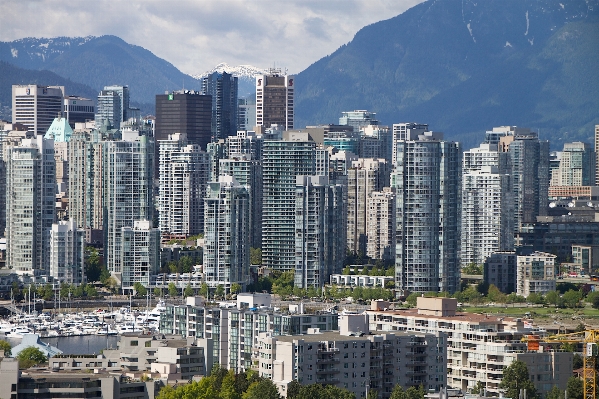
x: 327, y: 371
x: 327, y: 360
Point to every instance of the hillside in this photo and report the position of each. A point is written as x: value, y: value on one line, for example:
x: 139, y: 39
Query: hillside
x: 10, y: 74
x: 99, y: 61
x: 464, y: 67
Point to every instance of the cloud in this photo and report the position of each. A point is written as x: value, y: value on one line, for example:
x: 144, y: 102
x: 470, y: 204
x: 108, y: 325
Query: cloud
x: 195, y: 35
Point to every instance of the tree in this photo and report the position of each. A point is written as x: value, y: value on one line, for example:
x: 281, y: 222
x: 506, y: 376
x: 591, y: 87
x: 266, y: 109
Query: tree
x: 575, y: 388
x: 555, y: 393
x: 157, y: 292
x: 515, y: 378
x: 397, y: 393
x: 188, y: 291
x: 478, y: 388
x: 220, y: 291
x: 255, y: 256
x: 412, y: 298
x: 172, y: 290
x: 227, y: 389
x: 235, y: 288
x: 593, y: 299
x: 90, y: 291
x: 473, y: 269
x: 93, y: 266
x: 140, y: 290
x: 5, y: 346
x: 572, y: 298
x: 30, y: 356
x: 535, y: 298
x: 263, y: 389
x: 552, y: 298
x: 293, y: 389
x: 577, y: 362
x: 204, y: 290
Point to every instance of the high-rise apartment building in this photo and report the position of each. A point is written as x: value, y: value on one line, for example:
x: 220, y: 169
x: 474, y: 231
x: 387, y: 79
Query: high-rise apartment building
x: 320, y: 223
x: 500, y: 270
x: 226, y: 234
x: 536, y: 273
x: 78, y: 110
x: 596, y: 155
x: 427, y: 180
x: 380, y: 224
x: 30, y: 204
x: 364, y: 177
x: 528, y: 166
x: 222, y: 87
x: 186, y: 112
x: 140, y: 253
x: 576, y: 166
x: 405, y: 131
x: 275, y: 99
x: 67, y: 253
x: 184, y: 174
x: 36, y: 106
x: 487, y: 208
x: 127, y: 168
x: 123, y: 93
x: 248, y: 173
x: 282, y: 161
x: 246, y: 113
x: 109, y: 111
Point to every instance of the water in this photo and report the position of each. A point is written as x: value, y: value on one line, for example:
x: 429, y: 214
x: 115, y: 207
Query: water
x: 78, y: 345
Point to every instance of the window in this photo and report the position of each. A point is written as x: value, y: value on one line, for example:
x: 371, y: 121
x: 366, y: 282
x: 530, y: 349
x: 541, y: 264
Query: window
x: 134, y: 343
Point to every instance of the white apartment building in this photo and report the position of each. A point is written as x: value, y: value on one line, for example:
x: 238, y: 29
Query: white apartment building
x: 344, y: 280
x: 536, y: 273
x: 67, y: 253
x: 140, y: 253
x: 405, y: 131
x: 479, y: 347
x: 487, y: 208
x: 355, y: 362
x: 380, y: 224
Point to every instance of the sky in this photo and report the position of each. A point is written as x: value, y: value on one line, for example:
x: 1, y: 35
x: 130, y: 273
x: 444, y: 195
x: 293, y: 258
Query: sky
x: 196, y: 35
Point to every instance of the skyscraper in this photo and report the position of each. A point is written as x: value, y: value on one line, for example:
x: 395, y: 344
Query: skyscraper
x: 140, y: 253
x: 36, y: 106
x: 358, y: 119
x: 427, y: 183
x: 123, y: 93
x: 186, y: 112
x: 30, y: 204
x: 184, y: 173
x: 282, y: 161
x: 364, y: 177
x: 401, y: 131
x: 109, y: 112
x: 320, y: 217
x: 576, y: 166
x: 274, y: 99
x: 127, y: 189
x: 246, y: 113
x: 78, y: 110
x: 381, y: 224
x: 226, y: 234
x: 222, y: 87
x: 596, y: 155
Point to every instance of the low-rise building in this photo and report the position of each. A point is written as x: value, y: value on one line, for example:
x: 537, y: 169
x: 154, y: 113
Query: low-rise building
x: 536, y: 273
x: 346, y: 280
x: 500, y: 270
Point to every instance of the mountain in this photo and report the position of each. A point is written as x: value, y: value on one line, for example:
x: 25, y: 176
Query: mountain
x: 244, y: 73
x: 10, y: 74
x: 99, y: 61
x: 464, y: 67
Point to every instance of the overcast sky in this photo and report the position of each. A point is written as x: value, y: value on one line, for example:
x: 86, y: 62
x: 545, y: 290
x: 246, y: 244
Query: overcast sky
x: 196, y: 35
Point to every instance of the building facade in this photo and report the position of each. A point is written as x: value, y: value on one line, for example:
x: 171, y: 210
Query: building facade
x: 536, y: 273
x: 222, y: 87
x: 67, y: 253
x: 576, y: 166
x: 36, y: 106
x: 380, y: 224
x: 140, y: 253
x: 78, y: 110
x: 275, y: 99
x: 109, y: 111
x: 500, y: 270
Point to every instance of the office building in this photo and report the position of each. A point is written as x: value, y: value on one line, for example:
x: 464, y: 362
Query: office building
x: 500, y: 270
x: 405, y: 131
x: 226, y: 234
x: 576, y: 166
x: 282, y: 161
x: 184, y: 174
x: 536, y: 273
x: 320, y: 223
x: 246, y: 113
x: 596, y: 155
x: 67, y: 253
x: 376, y: 141
x: 140, y: 253
x: 248, y: 172
x: 78, y: 110
x: 381, y: 210
x: 487, y: 209
x: 127, y: 179
x: 485, y: 346
x: 427, y: 180
x: 275, y: 99
x: 364, y: 177
x: 222, y: 87
x: 358, y: 119
x: 528, y: 167
x: 30, y: 204
x: 36, y: 106
x: 123, y: 93
x: 109, y: 112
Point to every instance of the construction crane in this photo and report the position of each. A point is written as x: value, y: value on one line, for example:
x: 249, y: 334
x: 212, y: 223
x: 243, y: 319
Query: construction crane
x: 590, y: 339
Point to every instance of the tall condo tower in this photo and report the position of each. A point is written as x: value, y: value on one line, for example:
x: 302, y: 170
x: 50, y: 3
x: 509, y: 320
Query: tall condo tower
x: 427, y: 183
x: 274, y: 99
x: 223, y: 89
x: 36, y: 106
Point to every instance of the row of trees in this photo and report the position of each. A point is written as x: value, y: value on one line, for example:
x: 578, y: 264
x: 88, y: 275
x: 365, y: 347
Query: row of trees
x: 47, y: 293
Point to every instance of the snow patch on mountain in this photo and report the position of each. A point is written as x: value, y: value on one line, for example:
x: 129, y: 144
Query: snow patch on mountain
x: 241, y: 71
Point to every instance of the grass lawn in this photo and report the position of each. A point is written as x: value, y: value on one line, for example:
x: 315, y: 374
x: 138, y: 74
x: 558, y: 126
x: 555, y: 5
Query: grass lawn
x: 536, y: 312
